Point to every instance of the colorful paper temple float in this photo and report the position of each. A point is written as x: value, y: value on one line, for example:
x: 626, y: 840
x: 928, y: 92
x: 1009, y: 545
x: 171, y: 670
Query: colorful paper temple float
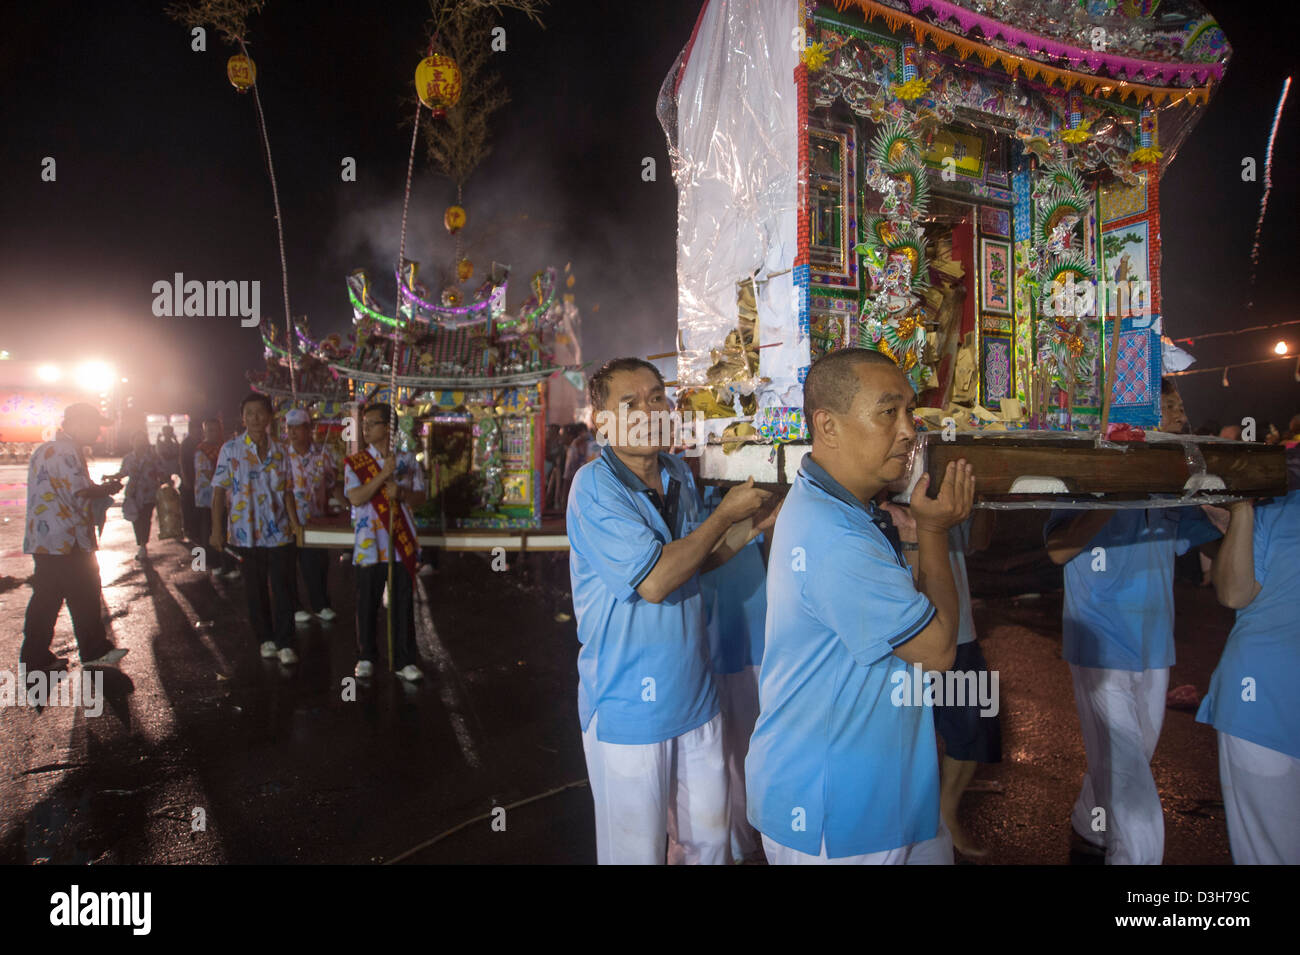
x: 972, y: 188
x: 471, y: 380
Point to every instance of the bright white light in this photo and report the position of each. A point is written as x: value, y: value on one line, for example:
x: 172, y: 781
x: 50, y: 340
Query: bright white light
x: 95, y: 376
x: 1280, y: 348
x: 47, y: 373
x: 124, y: 381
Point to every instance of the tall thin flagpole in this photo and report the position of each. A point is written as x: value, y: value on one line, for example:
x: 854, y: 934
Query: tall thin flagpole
x: 392, y: 377
x: 279, y: 228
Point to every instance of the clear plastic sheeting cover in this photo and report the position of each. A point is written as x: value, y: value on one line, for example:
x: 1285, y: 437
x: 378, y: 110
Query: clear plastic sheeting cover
x: 729, y: 110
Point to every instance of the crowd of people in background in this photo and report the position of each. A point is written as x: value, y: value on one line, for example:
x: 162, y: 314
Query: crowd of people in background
x: 241, y: 506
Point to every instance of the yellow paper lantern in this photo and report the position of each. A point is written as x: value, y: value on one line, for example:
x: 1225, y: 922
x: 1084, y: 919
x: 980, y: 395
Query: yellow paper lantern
x: 437, y: 83
x: 464, y: 270
x: 454, y: 219
x: 242, y: 72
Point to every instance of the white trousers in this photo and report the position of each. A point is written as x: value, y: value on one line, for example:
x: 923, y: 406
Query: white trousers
x: 1261, y: 798
x: 738, y: 694
x: 936, y: 851
x: 644, y: 793
x: 1120, y: 715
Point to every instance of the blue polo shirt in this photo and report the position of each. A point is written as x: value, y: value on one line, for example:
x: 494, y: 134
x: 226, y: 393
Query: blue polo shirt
x: 735, y: 602
x: 831, y: 756
x: 644, y: 667
x: 1122, y: 617
x: 1253, y: 693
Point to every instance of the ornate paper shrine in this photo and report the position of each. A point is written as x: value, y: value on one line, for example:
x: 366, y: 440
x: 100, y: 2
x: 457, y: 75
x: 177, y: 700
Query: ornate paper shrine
x: 972, y: 188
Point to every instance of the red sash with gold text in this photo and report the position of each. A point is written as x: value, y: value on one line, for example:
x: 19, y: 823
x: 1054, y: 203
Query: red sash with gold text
x: 365, y: 468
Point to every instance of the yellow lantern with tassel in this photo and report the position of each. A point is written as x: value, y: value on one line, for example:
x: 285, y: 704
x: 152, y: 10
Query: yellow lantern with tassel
x: 242, y: 72
x: 437, y: 83
x: 454, y: 219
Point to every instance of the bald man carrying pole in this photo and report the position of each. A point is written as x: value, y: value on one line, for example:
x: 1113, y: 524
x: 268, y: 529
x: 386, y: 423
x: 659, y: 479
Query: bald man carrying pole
x: 842, y: 768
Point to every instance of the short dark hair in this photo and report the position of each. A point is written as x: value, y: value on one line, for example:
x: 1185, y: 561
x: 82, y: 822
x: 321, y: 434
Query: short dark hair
x: 256, y: 396
x: 598, y: 385
x: 1168, y: 386
x: 382, y: 407
x: 832, y: 382
x: 207, y: 421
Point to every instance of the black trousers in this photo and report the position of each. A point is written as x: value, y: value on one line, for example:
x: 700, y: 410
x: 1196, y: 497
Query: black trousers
x: 314, y: 562
x: 73, y: 578
x: 143, y: 523
x: 190, y: 513
x: 371, y: 582
x: 215, y: 560
x: 268, y: 587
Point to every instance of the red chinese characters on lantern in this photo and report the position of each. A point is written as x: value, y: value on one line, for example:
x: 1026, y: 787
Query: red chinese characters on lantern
x: 437, y: 83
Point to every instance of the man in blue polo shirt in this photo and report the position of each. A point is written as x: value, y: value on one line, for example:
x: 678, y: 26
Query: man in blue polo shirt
x: 1118, y: 628
x: 837, y: 771
x: 646, y: 698
x: 1252, y: 700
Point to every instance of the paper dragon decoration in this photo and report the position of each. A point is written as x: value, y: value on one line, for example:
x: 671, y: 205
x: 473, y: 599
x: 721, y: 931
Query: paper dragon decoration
x: 892, y: 318
x: 1066, y: 350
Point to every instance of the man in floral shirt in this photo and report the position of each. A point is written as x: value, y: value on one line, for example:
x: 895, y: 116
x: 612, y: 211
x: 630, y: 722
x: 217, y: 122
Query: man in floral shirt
x: 367, y: 475
x: 312, y: 471
x: 61, y: 539
x: 252, y: 477
x: 205, y: 464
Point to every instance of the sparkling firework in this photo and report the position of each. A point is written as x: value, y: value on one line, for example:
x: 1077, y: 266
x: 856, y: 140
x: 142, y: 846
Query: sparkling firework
x: 1268, y: 180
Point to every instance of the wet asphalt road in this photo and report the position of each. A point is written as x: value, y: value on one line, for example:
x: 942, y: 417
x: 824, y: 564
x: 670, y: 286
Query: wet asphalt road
x: 285, y: 770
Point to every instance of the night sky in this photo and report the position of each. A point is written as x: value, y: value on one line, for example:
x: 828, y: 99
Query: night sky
x: 160, y: 171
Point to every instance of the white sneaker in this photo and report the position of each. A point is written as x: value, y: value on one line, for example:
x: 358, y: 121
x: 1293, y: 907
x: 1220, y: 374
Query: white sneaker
x: 287, y: 656
x: 327, y: 615
x: 301, y: 616
x: 269, y: 649
x: 410, y: 673
x: 110, y: 659
x: 365, y: 669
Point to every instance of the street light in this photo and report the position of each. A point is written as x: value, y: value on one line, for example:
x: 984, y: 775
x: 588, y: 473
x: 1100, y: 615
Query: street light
x: 1280, y: 348
x: 95, y: 376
